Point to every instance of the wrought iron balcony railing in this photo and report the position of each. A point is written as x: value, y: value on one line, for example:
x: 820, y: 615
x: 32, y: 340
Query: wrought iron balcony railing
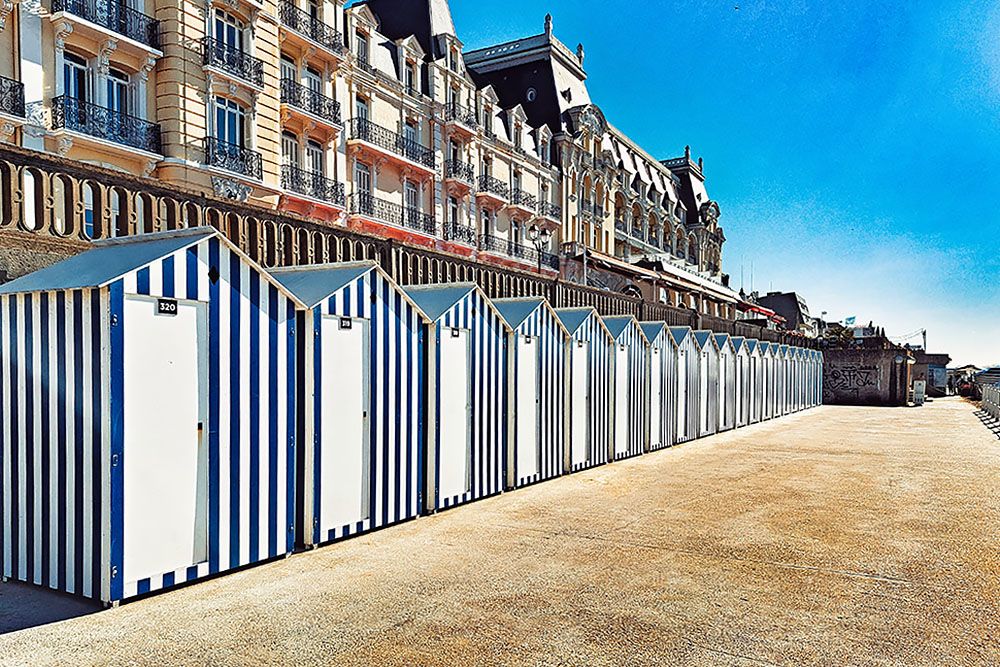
x: 462, y: 171
x: 233, y: 157
x: 312, y: 184
x: 303, y: 23
x: 455, y: 231
x: 363, y: 203
x: 11, y: 97
x: 495, y: 244
x: 493, y: 186
x: 455, y: 112
x: 116, y: 16
x: 547, y: 209
x: 519, y: 197
x: 310, y: 101
x: 69, y: 113
x: 233, y: 61
x: 363, y: 129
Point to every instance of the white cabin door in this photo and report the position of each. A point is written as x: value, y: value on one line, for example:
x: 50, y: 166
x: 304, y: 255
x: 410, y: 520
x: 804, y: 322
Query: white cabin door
x: 703, y: 393
x: 165, y: 458
x: 655, y: 398
x: 454, y: 413
x: 723, y: 391
x: 622, y: 407
x: 579, y: 387
x: 345, y: 445
x: 528, y: 399
x: 682, y: 403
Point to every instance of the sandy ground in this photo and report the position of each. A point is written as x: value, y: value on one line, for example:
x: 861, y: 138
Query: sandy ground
x: 840, y: 536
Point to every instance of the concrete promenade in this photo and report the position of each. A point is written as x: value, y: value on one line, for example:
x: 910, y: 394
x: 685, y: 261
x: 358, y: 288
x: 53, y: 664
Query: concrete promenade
x: 839, y: 536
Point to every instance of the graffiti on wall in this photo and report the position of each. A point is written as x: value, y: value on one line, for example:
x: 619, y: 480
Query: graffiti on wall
x: 842, y: 381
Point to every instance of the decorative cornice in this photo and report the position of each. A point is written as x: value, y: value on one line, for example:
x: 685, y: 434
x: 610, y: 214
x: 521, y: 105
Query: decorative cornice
x: 104, y: 56
x: 230, y: 189
x: 62, y: 31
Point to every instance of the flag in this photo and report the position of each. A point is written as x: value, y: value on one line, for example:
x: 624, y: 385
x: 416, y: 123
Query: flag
x: 849, y: 321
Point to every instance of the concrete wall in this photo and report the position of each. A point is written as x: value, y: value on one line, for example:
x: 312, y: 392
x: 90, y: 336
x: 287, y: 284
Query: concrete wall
x: 866, y: 377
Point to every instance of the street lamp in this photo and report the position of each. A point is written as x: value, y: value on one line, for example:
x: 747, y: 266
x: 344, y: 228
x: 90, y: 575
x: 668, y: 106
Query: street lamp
x: 540, y: 239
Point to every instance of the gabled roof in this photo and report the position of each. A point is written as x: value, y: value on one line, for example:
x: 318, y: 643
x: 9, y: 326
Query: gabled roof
x: 316, y: 283
x: 113, y: 259
x: 652, y: 330
x: 574, y: 318
x: 705, y: 337
x: 436, y: 300
x: 680, y: 333
x: 752, y: 345
x: 616, y: 325
x: 516, y: 310
x: 738, y: 342
x: 724, y: 339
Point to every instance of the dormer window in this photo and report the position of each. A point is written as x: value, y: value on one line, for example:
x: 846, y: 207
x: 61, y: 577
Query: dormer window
x: 361, y: 46
x: 453, y: 59
x: 410, y: 78
x: 543, y: 151
x: 517, y: 135
x: 488, y: 121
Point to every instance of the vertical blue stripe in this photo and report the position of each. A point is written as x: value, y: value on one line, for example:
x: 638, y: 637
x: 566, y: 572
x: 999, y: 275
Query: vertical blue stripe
x: 46, y: 463
x: 117, y: 371
x: 142, y: 281
x: 272, y: 417
x: 168, y: 278
x: 235, y: 418
x: 254, y: 416
x: 96, y: 407
x: 29, y: 433
x: 214, y: 400
x: 63, y: 511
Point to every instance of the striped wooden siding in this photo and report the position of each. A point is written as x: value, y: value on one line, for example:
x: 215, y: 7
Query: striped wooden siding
x: 543, y: 325
x: 689, y: 347
x: 395, y: 408
x: 709, y: 364
x: 601, y: 361
x: 55, y: 440
x: 668, y: 388
x: 635, y: 341
x: 727, y: 391
x: 489, y: 391
x: 250, y: 424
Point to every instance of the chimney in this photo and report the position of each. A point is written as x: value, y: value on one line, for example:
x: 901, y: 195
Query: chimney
x: 701, y: 164
x: 579, y: 53
x: 548, y: 25
x: 687, y: 153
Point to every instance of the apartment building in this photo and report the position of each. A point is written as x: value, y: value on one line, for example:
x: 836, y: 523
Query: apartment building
x: 372, y: 116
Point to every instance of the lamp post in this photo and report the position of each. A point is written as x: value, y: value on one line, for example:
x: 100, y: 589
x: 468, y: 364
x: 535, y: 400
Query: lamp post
x: 540, y: 239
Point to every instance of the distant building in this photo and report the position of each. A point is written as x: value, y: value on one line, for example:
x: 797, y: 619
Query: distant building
x: 933, y: 368
x: 793, y: 308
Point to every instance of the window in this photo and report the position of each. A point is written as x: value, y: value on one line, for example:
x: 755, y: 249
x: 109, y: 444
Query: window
x: 314, y: 80
x: 289, y: 149
x: 515, y: 180
x: 453, y: 59
x: 410, y: 78
x: 118, y: 85
x: 412, y: 195
x: 544, y: 152
x: 314, y: 10
x: 487, y: 166
x: 314, y: 158
x: 361, y: 108
x: 455, y: 151
x: 453, y: 210
x: 288, y: 69
x: 517, y: 135
x: 230, y: 122
x: 410, y: 132
x: 228, y: 30
x: 488, y: 121
x: 361, y: 40
x: 75, y: 77
x: 362, y: 178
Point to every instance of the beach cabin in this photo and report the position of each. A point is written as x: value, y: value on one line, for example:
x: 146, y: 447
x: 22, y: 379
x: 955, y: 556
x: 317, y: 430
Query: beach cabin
x: 148, y: 394
x: 767, y: 351
x: 727, y: 382
x: 662, y: 365
x: 744, y: 380
x: 783, y: 373
x: 360, y: 398
x: 708, y: 383
x: 589, y: 416
x: 631, y: 406
x: 466, y: 406
x: 687, y: 378
x: 536, y: 368
x: 753, y: 399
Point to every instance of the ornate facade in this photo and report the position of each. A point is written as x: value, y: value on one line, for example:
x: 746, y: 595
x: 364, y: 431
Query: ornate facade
x: 372, y: 117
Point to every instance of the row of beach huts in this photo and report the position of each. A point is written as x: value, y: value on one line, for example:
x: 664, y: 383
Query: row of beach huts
x: 171, y: 410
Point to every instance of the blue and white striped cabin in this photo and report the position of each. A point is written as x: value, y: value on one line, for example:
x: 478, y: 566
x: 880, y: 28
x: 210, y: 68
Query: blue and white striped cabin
x: 727, y: 382
x: 662, y: 364
x: 360, y: 426
x: 148, y: 391
x: 817, y: 381
x: 687, y: 377
x: 630, y: 398
x: 756, y: 381
x: 743, y: 380
x: 781, y: 357
x: 708, y: 383
x: 798, y: 363
x: 769, y: 380
x: 590, y: 396
x: 536, y: 360
x: 466, y: 416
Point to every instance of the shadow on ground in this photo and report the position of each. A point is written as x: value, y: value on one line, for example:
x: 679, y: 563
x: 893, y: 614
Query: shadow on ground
x: 23, y: 606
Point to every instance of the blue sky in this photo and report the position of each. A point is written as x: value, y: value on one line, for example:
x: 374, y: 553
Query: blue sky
x: 854, y: 148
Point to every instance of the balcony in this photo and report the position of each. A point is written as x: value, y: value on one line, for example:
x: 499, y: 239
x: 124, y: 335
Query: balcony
x: 313, y: 185
x: 369, y: 206
x: 11, y: 97
x: 233, y: 158
x: 587, y: 207
x: 454, y: 231
x: 69, y: 113
x: 497, y: 245
x: 493, y: 189
x: 523, y: 202
x: 550, y: 211
x: 460, y: 173
x: 233, y: 62
x: 114, y: 16
x: 461, y: 118
x: 316, y: 105
x: 391, y: 144
x: 312, y: 28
